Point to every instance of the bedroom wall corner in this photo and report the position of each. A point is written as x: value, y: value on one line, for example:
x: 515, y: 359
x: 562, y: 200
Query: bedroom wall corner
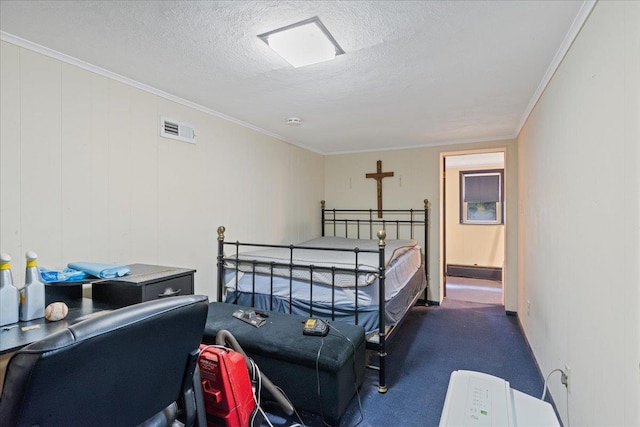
x: 579, y: 250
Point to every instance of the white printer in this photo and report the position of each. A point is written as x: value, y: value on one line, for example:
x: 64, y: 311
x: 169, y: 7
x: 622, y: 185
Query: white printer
x: 478, y: 399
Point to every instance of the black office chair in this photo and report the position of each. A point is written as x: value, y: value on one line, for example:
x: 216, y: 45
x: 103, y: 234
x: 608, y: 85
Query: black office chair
x: 127, y: 367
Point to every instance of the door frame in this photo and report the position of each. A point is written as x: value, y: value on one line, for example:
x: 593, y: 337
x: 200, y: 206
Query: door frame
x: 443, y: 222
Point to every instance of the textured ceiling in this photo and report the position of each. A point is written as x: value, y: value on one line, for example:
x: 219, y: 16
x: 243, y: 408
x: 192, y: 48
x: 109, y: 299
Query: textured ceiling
x: 415, y: 73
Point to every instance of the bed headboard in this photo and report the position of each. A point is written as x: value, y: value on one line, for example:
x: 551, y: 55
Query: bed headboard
x: 364, y: 224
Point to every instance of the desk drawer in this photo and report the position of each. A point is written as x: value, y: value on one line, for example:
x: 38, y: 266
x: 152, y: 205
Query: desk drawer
x: 145, y: 283
x: 168, y: 288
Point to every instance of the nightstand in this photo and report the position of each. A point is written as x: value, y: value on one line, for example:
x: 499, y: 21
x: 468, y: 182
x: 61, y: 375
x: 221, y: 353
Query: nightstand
x: 146, y: 282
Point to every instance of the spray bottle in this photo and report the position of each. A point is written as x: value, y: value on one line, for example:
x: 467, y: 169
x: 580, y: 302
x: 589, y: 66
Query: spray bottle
x: 9, y: 294
x: 32, y: 295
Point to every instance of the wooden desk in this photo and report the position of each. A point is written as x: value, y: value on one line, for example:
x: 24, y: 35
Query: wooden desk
x: 145, y: 282
x: 18, y: 335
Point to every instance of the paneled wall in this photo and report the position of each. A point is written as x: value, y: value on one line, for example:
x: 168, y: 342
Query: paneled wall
x: 86, y: 176
x: 579, y: 248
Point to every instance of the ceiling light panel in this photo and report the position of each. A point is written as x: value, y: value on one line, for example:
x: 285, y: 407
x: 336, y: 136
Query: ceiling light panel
x: 303, y: 43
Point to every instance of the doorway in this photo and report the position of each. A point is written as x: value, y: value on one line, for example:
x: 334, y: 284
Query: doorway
x: 473, y: 226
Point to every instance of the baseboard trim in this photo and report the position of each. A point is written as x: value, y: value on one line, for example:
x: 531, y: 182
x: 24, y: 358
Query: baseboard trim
x: 425, y: 302
x: 474, y: 271
x: 540, y: 373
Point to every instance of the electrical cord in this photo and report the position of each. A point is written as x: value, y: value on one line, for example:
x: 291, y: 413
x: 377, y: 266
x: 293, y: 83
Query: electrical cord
x: 252, y: 373
x: 256, y: 375
x: 318, y: 381
x: 225, y: 337
x: 257, y: 392
x: 544, y: 391
x: 301, y: 424
x: 355, y: 374
x: 318, y: 375
x: 568, y: 418
x: 353, y: 347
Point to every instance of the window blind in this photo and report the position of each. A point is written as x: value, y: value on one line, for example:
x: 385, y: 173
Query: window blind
x: 482, y: 188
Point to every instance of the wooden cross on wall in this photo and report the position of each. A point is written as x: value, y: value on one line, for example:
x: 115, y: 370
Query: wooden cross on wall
x: 378, y: 176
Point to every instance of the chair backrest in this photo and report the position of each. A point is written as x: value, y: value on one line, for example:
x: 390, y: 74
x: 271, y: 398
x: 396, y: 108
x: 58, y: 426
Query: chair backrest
x: 119, y: 368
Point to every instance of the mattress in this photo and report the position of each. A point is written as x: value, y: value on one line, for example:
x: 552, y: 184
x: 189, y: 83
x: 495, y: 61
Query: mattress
x: 398, y: 273
x: 334, y: 260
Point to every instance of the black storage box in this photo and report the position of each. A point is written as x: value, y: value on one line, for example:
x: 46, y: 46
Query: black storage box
x: 288, y: 358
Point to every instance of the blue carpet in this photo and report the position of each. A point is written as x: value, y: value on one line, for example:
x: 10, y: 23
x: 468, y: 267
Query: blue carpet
x: 431, y: 343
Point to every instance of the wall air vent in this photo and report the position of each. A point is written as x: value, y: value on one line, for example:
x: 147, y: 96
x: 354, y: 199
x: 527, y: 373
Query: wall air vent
x: 176, y: 130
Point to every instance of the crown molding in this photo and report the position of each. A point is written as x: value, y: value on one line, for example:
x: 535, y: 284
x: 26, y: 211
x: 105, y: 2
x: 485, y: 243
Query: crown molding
x: 430, y: 145
x: 26, y: 44
x: 574, y: 30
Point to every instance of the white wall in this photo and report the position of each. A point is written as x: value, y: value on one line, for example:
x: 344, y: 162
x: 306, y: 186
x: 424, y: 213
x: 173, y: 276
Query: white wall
x: 579, y: 239
x: 417, y: 177
x: 86, y: 176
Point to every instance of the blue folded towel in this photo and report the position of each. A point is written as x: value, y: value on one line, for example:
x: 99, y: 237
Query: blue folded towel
x: 66, y: 275
x: 104, y: 271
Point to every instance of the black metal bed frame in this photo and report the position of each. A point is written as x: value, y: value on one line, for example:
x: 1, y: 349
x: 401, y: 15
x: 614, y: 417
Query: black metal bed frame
x: 347, y: 218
